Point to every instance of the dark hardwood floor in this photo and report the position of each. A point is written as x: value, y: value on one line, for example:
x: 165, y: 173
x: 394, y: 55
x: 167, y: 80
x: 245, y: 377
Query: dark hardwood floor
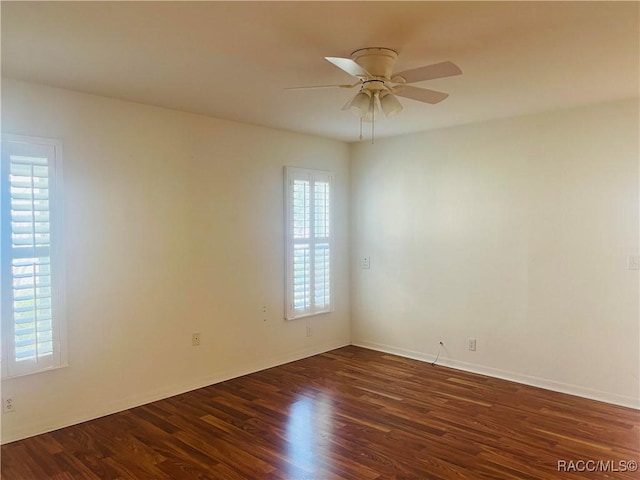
x: 348, y: 414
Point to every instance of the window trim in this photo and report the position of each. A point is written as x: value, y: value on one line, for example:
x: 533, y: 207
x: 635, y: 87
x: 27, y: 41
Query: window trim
x: 289, y: 174
x: 58, y: 282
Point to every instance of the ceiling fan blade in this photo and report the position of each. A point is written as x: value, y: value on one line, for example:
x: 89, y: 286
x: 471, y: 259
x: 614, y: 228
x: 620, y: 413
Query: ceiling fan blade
x: 312, y: 87
x: 421, y: 94
x: 349, y: 66
x: 429, y: 72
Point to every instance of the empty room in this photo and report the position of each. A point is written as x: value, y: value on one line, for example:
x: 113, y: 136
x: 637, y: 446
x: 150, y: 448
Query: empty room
x: 320, y: 240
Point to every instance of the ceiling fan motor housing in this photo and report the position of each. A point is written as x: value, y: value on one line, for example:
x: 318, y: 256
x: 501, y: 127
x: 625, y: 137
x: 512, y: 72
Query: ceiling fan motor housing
x: 378, y: 61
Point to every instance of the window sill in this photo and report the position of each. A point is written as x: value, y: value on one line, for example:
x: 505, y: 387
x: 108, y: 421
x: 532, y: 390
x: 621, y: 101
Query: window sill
x: 307, y: 315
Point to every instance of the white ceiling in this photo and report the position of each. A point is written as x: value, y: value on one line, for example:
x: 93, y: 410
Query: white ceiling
x: 232, y: 59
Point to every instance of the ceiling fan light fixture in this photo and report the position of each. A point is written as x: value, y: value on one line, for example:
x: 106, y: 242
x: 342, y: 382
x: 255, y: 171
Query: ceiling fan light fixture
x: 372, y: 112
x: 360, y: 103
x: 390, y: 105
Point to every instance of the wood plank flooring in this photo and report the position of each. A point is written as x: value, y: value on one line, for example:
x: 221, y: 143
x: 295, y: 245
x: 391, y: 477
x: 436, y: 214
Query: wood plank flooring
x: 351, y: 414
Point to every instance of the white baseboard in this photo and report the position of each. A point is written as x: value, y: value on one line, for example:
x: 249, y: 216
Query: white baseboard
x: 43, y: 426
x: 547, y: 384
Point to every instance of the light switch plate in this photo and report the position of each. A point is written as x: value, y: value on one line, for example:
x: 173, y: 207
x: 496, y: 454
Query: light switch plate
x: 366, y: 262
x: 633, y: 262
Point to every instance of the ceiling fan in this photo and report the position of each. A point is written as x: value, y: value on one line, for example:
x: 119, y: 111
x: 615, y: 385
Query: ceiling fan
x: 379, y: 86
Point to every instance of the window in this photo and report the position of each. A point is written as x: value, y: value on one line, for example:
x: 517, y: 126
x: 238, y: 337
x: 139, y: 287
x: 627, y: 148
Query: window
x: 31, y: 268
x: 308, y: 242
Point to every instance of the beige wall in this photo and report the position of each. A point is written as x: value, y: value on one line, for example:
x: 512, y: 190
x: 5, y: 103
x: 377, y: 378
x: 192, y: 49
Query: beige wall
x: 515, y: 232
x: 174, y: 225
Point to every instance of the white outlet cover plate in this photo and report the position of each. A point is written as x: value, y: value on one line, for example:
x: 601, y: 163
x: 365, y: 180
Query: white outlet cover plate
x: 8, y: 405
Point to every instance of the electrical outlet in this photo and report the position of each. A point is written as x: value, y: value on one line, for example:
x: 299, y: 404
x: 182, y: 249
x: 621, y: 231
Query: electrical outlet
x: 366, y: 263
x: 472, y: 344
x: 195, y: 339
x: 633, y: 262
x: 308, y: 331
x: 8, y: 406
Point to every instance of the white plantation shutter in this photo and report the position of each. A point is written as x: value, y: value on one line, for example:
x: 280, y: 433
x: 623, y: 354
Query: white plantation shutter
x: 308, y: 239
x: 31, y: 278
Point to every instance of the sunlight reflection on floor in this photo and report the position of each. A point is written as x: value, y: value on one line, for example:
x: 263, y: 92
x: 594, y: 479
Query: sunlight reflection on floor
x: 307, y: 449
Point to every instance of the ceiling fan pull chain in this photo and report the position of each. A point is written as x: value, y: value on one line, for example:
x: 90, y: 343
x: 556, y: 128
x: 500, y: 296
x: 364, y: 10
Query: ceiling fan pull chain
x: 373, y: 124
x: 361, y: 136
